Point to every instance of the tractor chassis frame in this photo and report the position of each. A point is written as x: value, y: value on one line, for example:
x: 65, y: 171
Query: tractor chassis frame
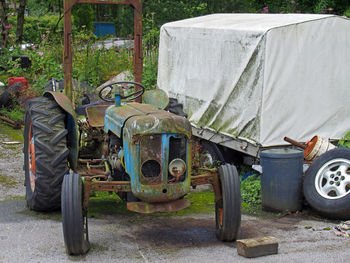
x: 209, y: 176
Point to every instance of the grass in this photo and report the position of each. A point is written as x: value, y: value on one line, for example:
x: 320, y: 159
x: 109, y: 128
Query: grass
x: 103, y: 204
x: 16, y: 113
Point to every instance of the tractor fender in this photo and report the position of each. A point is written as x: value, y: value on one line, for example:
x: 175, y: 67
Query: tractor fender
x: 72, y: 127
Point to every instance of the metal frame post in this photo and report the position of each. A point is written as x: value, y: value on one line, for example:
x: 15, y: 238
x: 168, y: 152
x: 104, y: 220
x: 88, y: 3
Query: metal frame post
x: 67, y: 59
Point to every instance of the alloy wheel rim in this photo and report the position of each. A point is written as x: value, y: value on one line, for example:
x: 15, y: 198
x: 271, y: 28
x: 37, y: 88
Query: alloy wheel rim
x: 332, y: 180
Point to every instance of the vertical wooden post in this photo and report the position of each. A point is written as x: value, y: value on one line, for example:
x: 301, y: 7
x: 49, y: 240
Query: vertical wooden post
x: 67, y: 60
x: 67, y: 56
x: 138, y: 56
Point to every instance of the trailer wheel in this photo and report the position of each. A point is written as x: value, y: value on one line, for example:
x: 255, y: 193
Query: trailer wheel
x: 45, y: 153
x: 74, y: 217
x: 210, y: 155
x: 327, y: 184
x: 228, y: 208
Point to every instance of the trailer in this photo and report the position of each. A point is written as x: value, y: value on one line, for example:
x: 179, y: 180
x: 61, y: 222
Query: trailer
x: 248, y: 80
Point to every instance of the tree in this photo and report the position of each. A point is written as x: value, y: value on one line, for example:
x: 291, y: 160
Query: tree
x: 20, y: 21
x: 4, y: 23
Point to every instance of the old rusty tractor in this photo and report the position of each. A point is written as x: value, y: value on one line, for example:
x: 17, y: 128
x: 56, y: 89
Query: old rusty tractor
x: 146, y: 155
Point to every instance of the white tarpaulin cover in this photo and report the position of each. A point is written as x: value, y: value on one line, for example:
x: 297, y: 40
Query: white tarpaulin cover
x: 260, y: 77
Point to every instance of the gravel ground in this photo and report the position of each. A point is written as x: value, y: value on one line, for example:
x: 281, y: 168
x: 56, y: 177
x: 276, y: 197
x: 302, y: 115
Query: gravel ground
x: 33, y: 237
x: 26, y: 236
x: 11, y: 163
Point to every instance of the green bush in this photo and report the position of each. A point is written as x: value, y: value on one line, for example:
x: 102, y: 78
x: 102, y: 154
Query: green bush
x: 345, y: 141
x: 37, y: 28
x: 251, y: 191
x: 347, y: 12
x: 91, y: 64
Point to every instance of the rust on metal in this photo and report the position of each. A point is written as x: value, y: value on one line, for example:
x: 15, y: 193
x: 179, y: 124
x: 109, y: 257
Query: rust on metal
x: 301, y: 145
x: 151, y: 152
x: 156, y: 122
x: 63, y: 101
x: 16, y: 125
x: 208, y: 178
x: 94, y: 167
x: 144, y: 119
x: 95, y: 115
x: 67, y: 59
x: 114, y: 186
x: 148, y: 208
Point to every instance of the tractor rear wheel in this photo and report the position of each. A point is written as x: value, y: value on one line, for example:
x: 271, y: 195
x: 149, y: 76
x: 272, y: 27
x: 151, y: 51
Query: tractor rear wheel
x: 228, y: 208
x: 45, y: 153
x: 74, y: 217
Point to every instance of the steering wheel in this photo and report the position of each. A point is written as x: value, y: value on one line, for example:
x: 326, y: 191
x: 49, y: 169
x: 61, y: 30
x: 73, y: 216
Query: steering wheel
x: 124, y: 87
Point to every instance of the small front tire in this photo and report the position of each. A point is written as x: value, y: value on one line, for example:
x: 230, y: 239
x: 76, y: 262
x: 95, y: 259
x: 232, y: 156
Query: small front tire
x: 228, y: 208
x: 74, y: 217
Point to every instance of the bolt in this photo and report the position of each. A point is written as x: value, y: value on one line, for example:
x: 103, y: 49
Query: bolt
x: 342, y: 178
x: 331, y: 182
x: 337, y: 184
x: 332, y: 175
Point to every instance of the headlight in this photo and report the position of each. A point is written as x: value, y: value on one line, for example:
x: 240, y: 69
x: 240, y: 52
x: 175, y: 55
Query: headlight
x: 177, y: 168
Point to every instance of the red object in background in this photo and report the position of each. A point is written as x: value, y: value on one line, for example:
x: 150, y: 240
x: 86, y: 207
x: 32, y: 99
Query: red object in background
x: 13, y: 80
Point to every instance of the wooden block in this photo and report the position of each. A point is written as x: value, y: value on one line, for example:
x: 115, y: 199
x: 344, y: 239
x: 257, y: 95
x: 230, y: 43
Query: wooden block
x: 257, y: 247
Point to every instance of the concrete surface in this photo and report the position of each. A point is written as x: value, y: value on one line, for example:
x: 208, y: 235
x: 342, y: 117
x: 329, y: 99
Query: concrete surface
x: 27, y: 236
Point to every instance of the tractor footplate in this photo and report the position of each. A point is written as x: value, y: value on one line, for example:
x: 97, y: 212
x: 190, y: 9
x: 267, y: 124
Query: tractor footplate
x: 94, y: 167
x: 148, y: 208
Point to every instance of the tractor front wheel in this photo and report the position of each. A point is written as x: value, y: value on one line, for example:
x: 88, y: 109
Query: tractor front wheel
x: 74, y: 217
x: 228, y: 208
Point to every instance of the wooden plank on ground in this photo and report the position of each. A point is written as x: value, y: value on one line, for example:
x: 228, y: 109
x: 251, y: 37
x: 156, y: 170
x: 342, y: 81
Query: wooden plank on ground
x: 257, y: 247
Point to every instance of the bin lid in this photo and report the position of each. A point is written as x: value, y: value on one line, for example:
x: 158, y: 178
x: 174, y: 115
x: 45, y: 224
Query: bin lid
x: 282, y: 153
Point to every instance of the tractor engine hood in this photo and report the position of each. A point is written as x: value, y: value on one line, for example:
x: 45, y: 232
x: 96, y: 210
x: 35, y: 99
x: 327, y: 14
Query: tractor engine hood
x: 143, y: 119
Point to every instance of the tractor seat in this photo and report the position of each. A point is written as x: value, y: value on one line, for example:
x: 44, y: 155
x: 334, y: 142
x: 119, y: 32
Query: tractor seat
x: 96, y: 114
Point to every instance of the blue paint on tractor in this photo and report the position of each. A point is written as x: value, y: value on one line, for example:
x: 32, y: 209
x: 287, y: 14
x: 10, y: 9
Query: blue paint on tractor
x: 146, y: 133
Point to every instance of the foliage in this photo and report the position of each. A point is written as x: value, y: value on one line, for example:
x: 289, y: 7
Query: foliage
x: 347, y: 12
x: 16, y: 113
x: 36, y: 28
x: 251, y: 190
x: 345, y: 141
x: 97, y: 65
x: 41, y: 8
x: 83, y: 15
x: 91, y: 63
x: 150, y: 68
x: 124, y: 21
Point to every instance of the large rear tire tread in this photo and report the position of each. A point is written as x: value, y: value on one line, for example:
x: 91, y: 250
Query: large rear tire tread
x: 74, y: 218
x: 45, y: 120
x: 228, y: 209
x: 332, y: 208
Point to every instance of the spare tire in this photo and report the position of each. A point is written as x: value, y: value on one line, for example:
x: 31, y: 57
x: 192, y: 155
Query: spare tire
x: 327, y: 184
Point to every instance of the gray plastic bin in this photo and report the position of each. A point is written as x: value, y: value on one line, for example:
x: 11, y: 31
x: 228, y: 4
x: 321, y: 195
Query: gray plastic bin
x: 281, y: 180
